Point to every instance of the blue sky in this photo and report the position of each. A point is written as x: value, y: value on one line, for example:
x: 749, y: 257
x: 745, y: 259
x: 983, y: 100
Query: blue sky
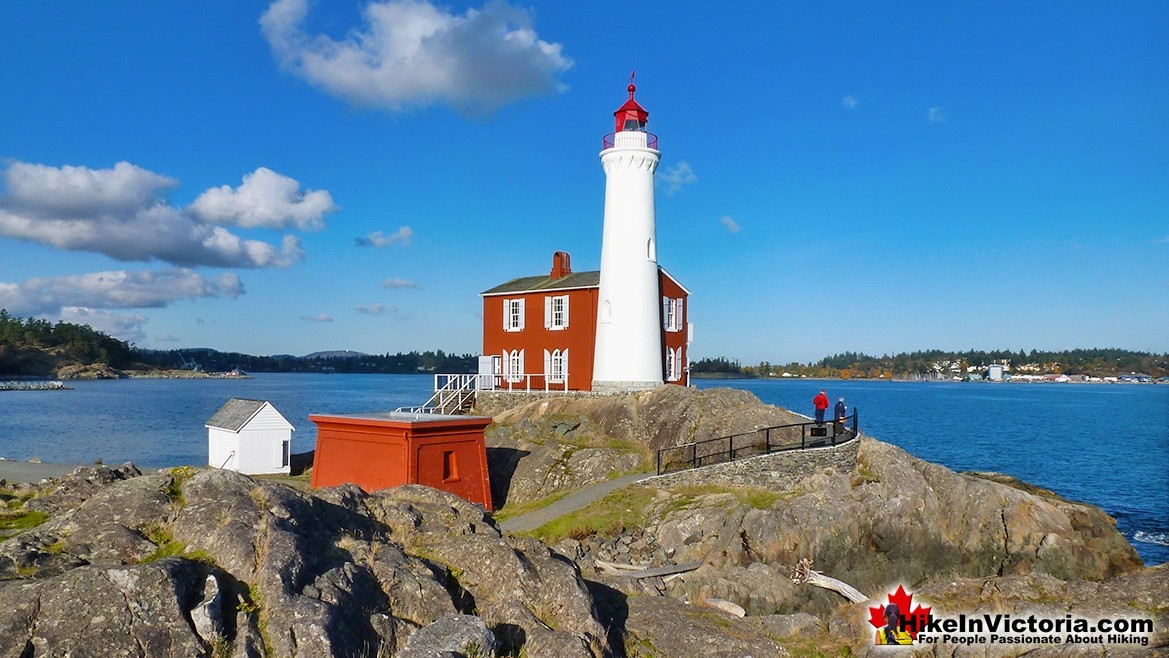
x: 878, y: 177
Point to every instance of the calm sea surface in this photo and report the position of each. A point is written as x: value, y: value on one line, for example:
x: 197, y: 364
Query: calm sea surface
x: 1099, y: 443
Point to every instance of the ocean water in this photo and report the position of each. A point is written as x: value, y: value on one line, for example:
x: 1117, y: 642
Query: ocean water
x: 1103, y: 444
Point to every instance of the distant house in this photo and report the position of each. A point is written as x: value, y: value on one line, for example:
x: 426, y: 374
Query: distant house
x: 249, y: 436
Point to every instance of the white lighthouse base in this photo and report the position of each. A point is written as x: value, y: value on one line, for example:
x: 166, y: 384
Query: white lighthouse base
x: 624, y: 387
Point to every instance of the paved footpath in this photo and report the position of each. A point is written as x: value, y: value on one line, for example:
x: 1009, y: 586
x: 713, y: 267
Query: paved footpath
x: 570, y: 503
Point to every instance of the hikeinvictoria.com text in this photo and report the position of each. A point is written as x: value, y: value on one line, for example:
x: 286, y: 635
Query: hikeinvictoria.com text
x: 1032, y: 629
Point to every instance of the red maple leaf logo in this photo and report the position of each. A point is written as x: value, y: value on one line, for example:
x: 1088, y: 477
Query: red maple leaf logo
x: 911, y: 622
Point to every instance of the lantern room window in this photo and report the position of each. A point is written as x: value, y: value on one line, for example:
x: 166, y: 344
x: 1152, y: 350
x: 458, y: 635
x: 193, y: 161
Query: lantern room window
x: 632, y: 123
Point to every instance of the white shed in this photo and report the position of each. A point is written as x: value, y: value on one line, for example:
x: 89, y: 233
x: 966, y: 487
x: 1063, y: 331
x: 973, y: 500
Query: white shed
x: 249, y: 436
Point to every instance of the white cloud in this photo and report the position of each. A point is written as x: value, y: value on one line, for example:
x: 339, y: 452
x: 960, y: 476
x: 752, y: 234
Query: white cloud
x: 116, y: 289
x: 69, y: 192
x: 412, y: 53
x: 730, y: 224
x: 394, y: 282
x: 378, y: 239
x: 673, y: 178
x: 849, y: 102
x: 936, y: 115
x: 376, y: 309
x: 323, y: 317
x: 122, y: 327
x: 265, y: 199
x: 121, y: 212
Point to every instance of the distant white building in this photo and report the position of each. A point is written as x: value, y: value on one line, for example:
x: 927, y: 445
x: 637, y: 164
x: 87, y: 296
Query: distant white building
x: 994, y: 372
x: 249, y: 436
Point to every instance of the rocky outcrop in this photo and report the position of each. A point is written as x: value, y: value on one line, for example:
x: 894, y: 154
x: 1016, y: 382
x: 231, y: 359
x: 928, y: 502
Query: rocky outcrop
x: 553, y: 454
x: 890, y: 518
x: 654, y: 419
x: 542, y: 445
x: 865, y: 512
x: 216, y: 563
x: 88, y: 371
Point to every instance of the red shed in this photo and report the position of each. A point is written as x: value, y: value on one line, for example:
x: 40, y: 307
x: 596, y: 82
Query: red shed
x: 381, y: 450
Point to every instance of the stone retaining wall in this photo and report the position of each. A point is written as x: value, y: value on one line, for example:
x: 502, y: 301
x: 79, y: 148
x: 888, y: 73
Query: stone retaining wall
x: 519, y: 398
x: 778, y: 471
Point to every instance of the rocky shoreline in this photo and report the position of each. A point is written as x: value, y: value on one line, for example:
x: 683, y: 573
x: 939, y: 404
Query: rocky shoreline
x: 213, y: 563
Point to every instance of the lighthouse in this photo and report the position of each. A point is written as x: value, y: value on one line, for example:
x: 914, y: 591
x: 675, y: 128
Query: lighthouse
x: 628, y: 353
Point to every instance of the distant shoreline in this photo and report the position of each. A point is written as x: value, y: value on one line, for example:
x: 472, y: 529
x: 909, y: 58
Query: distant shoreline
x: 928, y: 381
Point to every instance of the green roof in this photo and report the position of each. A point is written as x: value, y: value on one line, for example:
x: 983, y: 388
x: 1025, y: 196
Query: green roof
x: 538, y: 283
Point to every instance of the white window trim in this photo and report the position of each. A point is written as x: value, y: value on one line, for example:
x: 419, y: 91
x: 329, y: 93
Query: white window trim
x: 513, y: 321
x: 556, y: 366
x: 550, y: 322
x: 513, y: 366
x: 673, y: 364
x: 672, y: 313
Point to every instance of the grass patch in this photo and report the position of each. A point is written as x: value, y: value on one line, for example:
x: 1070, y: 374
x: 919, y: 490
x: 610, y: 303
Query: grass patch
x: 608, y: 515
x: 174, y: 486
x: 15, y: 500
x: 686, y: 497
x: 300, y: 482
x: 814, y: 647
x: 636, y: 647
x: 169, y: 549
x: 864, y: 476
x: 509, y: 510
x: 23, y: 521
x: 758, y: 497
x: 160, y: 536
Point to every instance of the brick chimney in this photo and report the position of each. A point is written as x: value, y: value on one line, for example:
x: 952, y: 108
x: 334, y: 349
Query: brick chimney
x: 561, y: 265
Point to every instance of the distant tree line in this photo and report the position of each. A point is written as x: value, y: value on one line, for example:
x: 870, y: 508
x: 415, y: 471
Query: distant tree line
x: 718, y: 365
x: 83, y: 344
x: 78, y: 341
x: 401, y: 363
x: 1094, y: 362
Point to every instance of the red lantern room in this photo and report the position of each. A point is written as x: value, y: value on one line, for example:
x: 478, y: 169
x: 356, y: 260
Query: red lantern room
x: 631, y: 115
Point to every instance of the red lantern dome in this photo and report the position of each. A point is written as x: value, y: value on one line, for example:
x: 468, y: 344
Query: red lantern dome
x: 631, y: 115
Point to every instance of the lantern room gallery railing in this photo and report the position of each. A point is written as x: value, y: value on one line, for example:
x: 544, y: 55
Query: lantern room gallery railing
x: 609, y: 141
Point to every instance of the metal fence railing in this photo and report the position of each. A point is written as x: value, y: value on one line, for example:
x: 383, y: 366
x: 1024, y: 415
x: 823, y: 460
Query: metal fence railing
x: 793, y: 436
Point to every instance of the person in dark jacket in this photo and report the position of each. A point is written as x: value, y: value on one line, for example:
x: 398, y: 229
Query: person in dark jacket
x: 821, y: 404
x: 841, y: 410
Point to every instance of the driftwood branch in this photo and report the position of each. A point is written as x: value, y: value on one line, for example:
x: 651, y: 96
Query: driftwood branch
x: 630, y: 571
x: 803, y: 573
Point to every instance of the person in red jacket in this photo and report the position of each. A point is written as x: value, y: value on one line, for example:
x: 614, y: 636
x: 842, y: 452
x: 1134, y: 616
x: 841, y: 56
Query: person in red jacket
x: 821, y: 404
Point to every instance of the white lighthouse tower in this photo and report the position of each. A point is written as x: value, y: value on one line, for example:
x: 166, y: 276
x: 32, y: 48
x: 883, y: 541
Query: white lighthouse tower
x: 628, y: 353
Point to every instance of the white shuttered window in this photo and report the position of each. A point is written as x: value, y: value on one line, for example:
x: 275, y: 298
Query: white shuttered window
x: 556, y: 312
x: 513, y: 315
